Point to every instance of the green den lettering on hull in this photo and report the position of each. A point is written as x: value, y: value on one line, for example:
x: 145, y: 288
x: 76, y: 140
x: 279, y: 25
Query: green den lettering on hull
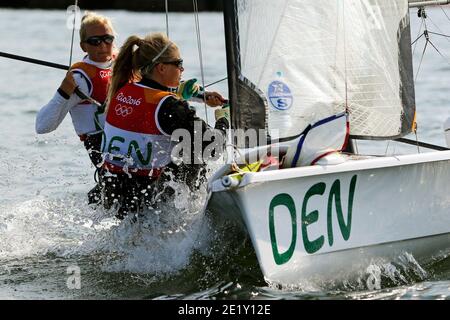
x: 308, y: 218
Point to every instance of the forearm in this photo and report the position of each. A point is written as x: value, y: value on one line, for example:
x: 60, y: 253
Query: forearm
x: 200, y: 98
x: 53, y: 113
x: 177, y: 115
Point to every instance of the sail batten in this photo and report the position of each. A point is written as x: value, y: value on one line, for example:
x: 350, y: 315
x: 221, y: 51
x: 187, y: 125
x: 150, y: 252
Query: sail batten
x: 314, y: 58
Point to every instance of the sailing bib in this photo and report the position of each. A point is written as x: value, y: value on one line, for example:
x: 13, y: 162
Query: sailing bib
x: 87, y: 118
x: 133, y: 140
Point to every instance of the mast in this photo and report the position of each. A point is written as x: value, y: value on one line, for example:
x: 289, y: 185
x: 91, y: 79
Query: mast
x: 249, y: 109
x: 232, y: 53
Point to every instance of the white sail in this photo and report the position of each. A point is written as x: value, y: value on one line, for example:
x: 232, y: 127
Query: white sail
x: 312, y: 58
x: 309, y: 59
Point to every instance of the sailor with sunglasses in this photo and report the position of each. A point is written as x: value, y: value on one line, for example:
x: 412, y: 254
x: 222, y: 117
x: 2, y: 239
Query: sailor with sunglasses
x: 91, y: 76
x: 142, y: 114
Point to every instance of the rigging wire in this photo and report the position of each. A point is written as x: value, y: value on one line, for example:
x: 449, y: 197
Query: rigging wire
x: 435, y: 25
x: 200, y: 54
x: 414, y: 43
x: 421, y: 13
x: 215, y: 82
x: 347, y: 109
x: 444, y: 12
x: 426, y: 33
x: 421, y: 60
x: 440, y: 53
x: 345, y: 59
x: 167, y: 17
x: 438, y: 34
x: 387, y: 147
x: 336, y: 51
x: 75, y: 7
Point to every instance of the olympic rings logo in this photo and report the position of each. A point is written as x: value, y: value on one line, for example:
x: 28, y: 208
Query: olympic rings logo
x: 123, y: 110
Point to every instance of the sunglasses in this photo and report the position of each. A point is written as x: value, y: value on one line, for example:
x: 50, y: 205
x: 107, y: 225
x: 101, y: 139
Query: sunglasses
x: 97, y: 40
x: 177, y: 63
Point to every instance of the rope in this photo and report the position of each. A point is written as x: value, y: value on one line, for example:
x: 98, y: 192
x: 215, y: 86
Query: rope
x: 73, y: 30
x: 417, y: 141
x: 199, y: 44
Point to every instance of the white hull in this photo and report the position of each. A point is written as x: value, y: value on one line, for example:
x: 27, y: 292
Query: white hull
x: 398, y: 204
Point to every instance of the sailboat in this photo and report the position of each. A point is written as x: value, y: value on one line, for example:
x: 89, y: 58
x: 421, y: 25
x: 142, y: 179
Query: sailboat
x: 314, y: 76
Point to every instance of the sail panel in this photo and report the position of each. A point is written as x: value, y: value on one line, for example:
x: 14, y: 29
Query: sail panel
x: 314, y: 58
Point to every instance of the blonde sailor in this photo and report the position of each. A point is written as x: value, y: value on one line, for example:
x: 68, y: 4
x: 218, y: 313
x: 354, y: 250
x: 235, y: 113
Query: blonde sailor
x: 91, y: 76
x: 142, y: 114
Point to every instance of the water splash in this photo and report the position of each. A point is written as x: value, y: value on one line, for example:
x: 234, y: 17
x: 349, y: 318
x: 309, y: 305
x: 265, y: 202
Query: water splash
x: 159, y: 241
x: 378, y: 275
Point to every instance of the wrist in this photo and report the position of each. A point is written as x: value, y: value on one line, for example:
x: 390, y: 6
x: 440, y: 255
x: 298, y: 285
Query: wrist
x: 63, y: 93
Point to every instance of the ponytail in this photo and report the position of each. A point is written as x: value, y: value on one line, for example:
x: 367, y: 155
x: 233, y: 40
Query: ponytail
x: 123, y: 68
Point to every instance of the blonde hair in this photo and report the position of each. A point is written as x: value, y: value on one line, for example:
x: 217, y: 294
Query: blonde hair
x: 133, y: 63
x: 91, y: 18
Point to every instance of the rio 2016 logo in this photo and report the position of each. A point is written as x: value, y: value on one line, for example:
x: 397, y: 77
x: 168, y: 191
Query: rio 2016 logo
x: 105, y: 74
x: 280, y: 95
x: 308, y: 218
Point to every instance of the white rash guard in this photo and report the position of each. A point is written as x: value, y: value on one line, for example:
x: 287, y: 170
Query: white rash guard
x: 53, y: 113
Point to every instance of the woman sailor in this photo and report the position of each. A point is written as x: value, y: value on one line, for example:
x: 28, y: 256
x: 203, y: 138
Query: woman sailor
x: 142, y: 114
x: 91, y: 76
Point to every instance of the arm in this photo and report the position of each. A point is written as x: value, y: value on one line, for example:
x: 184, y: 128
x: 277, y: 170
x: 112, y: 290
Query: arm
x: 53, y: 113
x: 177, y: 114
x: 213, y: 99
x: 190, y: 90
